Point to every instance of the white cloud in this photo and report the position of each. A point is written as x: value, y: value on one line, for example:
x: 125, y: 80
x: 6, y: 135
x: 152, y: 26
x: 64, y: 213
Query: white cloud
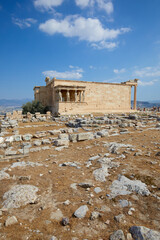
x: 24, y: 23
x: 105, y: 5
x: 47, y: 4
x: 74, y: 74
x: 123, y: 70
x: 88, y: 29
x: 77, y: 69
x: 147, y: 72
x: 83, y: 3
x: 104, y: 44
x: 150, y: 83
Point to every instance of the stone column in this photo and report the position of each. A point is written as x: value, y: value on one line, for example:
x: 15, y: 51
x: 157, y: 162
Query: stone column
x: 75, y: 94
x: 68, y: 96
x: 80, y: 97
x: 60, y: 96
x: 135, y: 97
x: 83, y: 96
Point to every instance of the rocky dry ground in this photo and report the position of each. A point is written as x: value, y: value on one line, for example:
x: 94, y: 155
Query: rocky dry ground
x: 94, y: 178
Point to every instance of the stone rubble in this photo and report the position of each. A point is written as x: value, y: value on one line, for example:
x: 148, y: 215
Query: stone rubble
x: 95, y: 164
x: 125, y: 186
x: 20, y: 195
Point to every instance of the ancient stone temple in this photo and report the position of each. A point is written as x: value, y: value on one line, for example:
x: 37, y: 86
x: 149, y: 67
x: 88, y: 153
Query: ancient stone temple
x: 73, y: 97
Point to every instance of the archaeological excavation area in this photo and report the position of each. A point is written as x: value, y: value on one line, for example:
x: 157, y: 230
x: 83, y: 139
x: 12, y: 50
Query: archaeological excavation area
x: 94, y: 177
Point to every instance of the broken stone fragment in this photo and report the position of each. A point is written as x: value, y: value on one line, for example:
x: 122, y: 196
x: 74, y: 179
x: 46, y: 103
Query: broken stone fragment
x: 27, y: 137
x: 85, y: 185
x: 120, y: 218
x: 157, y: 154
x: 37, y: 143
x: 101, y: 173
x: 1, y: 140
x: 61, y: 142
x: 53, y: 238
x: 117, y: 235
x: 10, y: 221
x: 9, y: 139
x: 4, y: 175
x: 84, y: 136
x: 97, y: 190
x: 20, y: 195
x: 46, y: 141
x: 65, y: 221
x: 73, y: 137
x: 103, y: 133
x: 143, y: 233
x: 67, y: 202
x: 94, y: 215
x: 63, y: 136
x: 17, y: 138
x: 81, y: 211
x: 10, y: 152
x: 124, y: 203
x: 36, y: 149
x: 124, y: 186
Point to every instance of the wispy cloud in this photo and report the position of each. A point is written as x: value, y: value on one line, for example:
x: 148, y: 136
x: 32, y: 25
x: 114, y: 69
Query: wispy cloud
x: 76, y: 73
x: 88, y: 29
x: 76, y: 68
x: 105, y: 5
x: 118, y: 71
x: 150, y: 83
x: 46, y: 5
x: 104, y: 44
x: 147, y: 72
x: 92, y: 67
x: 24, y: 23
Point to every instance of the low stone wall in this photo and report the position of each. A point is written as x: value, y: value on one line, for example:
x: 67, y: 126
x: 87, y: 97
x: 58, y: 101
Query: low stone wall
x: 17, y: 115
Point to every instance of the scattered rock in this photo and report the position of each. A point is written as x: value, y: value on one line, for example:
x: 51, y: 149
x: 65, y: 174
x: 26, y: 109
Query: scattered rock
x: 143, y: 233
x: 97, y: 190
x: 10, y: 221
x: 101, y: 173
x: 20, y: 195
x: 120, y: 218
x: 27, y: 137
x: 117, y: 235
x: 86, y: 185
x: 84, y: 136
x: 81, y: 211
x: 67, y: 202
x: 4, y: 175
x: 53, y: 238
x: 124, y: 186
x: 124, y: 203
x: 61, y: 142
x: 94, y: 215
x: 65, y: 221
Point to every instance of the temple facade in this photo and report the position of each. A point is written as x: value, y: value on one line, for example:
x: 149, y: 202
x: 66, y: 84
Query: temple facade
x: 74, y: 97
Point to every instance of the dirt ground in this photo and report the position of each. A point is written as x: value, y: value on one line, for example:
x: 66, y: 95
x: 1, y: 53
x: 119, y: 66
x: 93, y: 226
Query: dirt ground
x: 53, y: 182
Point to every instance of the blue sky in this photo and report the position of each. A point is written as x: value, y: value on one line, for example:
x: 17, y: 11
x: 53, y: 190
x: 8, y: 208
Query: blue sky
x: 90, y: 40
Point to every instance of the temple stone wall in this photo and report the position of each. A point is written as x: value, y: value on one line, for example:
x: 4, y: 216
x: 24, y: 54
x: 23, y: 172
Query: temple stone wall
x: 73, y: 97
x: 99, y: 97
